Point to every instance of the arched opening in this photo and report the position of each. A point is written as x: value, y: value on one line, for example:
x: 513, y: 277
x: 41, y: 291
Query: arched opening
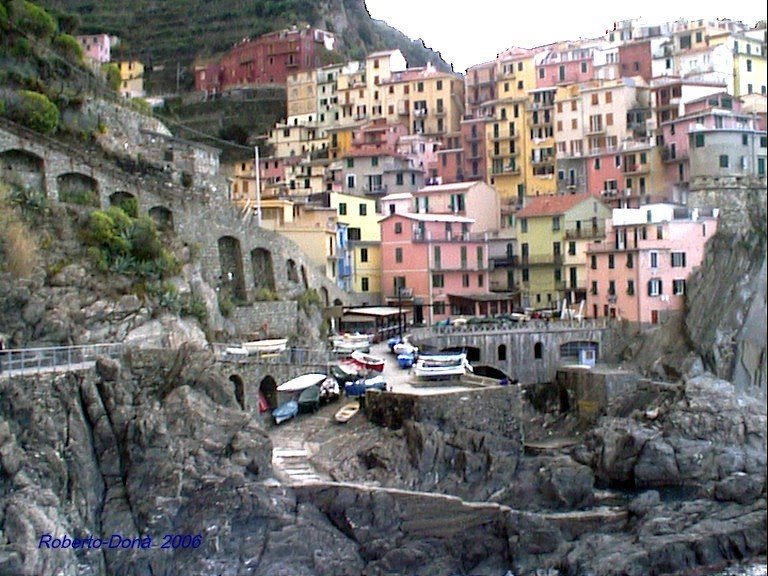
x: 239, y: 386
x: 162, y: 217
x: 325, y: 296
x: 125, y: 201
x: 501, y: 353
x: 293, y: 273
x: 80, y: 189
x: 23, y: 169
x: 263, y: 271
x: 304, y: 281
x: 268, y: 391
x: 538, y: 351
x: 232, y: 283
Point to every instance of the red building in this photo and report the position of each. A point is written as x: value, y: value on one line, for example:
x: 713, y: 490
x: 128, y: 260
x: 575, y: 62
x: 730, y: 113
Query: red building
x: 267, y: 59
x: 635, y: 60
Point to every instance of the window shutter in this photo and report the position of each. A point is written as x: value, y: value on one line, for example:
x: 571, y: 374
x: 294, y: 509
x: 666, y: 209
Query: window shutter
x: 650, y: 287
x: 661, y: 289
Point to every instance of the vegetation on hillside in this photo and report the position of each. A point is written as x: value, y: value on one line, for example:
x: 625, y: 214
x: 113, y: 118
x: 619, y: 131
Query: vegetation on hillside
x: 18, y: 245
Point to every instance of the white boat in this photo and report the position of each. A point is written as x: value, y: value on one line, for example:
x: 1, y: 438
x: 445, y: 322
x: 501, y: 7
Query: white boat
x: 350, y: 342
x: 347, y: 411
x: 302, y: 382
x: 271, y: 346
x: 438, y: 366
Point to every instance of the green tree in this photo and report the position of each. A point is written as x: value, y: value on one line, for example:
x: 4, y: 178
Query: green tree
x: 32, y: 19
x: 112, y: 75
x: 69, y: 47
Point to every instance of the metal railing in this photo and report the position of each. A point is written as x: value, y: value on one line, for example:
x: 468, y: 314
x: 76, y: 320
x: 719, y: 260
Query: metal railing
x: 57, y: 358
x: 313, y: 356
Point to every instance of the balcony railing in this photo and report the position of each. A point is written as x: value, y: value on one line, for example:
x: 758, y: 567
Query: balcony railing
x: 419, y: 236
x: 541, y: 260
x: 505, y: 262
x: 589, y: 232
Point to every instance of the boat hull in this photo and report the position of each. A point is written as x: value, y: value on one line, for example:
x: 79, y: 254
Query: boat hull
x: 272, y: 346
x: 346, y: 412
x: 285, y: 411
x: 358, y: 388
x: 368, y: 362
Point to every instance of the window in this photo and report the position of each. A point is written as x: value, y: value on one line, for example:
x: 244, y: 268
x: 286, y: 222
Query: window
x: 597, y: 163
x: 363, y: 210
x: 630, y: 260
x: 555, y: 223
x: 572, y: 248
x: 350, y: 180
x: 631, y: 287
x: 526, y: 275
x: 342, y: 209
x: 678, y: 259
x: 363, y: 254
x: 678, y: 287
x: 438, y: 281
x: 593, y: 262
x: 653, y: 256
x: 364, y: 284
x: 480, y: 280
x: 611, y: 288
x: 439, y: 84
x: 398, y: 255
x: 524, y: 225
x: 654, y: 287
x: 350, y: 162
x: 610, y: 261
x: 375, y: 161
x: 439, y: 308
x: 465, y: 280
x: 398, y: 227
x: 593, y: 289
x: 749, y: 65
x: 399, y: 179
x: 698, y: 140
x: 353, y: 234
x: 723, y: 160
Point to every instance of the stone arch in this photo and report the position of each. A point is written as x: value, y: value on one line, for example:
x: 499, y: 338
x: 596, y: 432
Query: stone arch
x: 501, y: 352
x: 232, y: 281
x: 293, y: 273
x: 263, y: 271
x: 162, y: 217
x: 239, y: 386
x: 268, y: 389
x: 326, y: 298
x: 473, y: 353
x: 304, y: 281
x: 538, y: 351
x: 125, y: 200
x: 23, y: 168
x: 77, y: 188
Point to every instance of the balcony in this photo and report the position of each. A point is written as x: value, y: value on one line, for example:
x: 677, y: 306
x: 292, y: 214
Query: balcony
x: 504, y: 262
x: 635, y: 169
x: 594, y: 130
x: 541, y: 260
x: 419, y: 112
x: 581, y: 233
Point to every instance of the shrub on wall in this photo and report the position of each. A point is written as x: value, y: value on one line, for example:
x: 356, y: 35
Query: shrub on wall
x: 33, y: 110
x: 69, y: 47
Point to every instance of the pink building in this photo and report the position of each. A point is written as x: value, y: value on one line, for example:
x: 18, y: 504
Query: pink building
x: 635, y: 59
x: 96, y: 47
x: 639, y: 271
x: 475, y: 200
x: 435, y: 264
x: 565, y: 64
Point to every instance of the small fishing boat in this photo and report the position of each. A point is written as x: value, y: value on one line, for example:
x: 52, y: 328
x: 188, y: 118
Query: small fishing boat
x: 272, y: 346
x: 368, y: 361
x: 302, y: 382
x: 285, y: 411
x: 309, y: 399
x: 348, y: 343
x: 329, y: 390
x: 406, y: 359
x: 391, y: 342
x: 359, y: 387
x: 441, y: 366
x: 405, y: 346
x: 347, y: 411
x: 345, y: 372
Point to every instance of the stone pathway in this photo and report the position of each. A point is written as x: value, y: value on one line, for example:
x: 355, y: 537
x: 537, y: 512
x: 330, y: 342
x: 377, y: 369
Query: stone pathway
x: 291, y: 462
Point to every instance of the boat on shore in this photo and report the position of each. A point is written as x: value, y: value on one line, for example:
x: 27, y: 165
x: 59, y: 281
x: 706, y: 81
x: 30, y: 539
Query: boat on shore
x: 405, y: 347
x: 345, y: 413
x: 406, y: 359
x: 302, y: 382
x: 285, y: 411
x: 358, y: 388
x: 347, y: 343
x: 368, y: 361
x: 271, y: 346
x: 309, y: 399
x: 441, y: 366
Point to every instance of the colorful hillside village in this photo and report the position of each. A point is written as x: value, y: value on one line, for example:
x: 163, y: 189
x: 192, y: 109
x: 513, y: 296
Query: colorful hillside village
x: 560, y: 173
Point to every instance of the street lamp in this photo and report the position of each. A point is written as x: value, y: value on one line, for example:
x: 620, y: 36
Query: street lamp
x: 400, y: 311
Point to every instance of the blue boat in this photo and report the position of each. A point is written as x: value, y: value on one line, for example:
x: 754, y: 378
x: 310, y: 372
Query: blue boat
x: 392, y: 341
x: 406, y: 359
x: 359, y: 387
x: 285, y: 411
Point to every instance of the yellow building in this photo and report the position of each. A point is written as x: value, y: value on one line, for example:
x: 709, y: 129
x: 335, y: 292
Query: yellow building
x: 313, y: 228
x: 301, y: 97
x: 131, y: 79
x: 364, y: 237
x: 552, y: 233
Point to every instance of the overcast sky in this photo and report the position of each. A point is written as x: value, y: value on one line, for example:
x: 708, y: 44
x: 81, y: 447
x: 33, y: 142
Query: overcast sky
x: 474, y: 31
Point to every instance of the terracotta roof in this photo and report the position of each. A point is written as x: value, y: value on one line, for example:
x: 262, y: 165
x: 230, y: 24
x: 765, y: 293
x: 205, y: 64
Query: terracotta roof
x: 552, y: 205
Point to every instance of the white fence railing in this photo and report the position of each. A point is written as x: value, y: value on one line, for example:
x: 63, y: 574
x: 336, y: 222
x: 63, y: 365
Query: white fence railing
x: 65, y: 358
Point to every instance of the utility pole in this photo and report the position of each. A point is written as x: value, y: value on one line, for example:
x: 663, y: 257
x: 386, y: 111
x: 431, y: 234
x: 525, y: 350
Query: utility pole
x: 257, y: 180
